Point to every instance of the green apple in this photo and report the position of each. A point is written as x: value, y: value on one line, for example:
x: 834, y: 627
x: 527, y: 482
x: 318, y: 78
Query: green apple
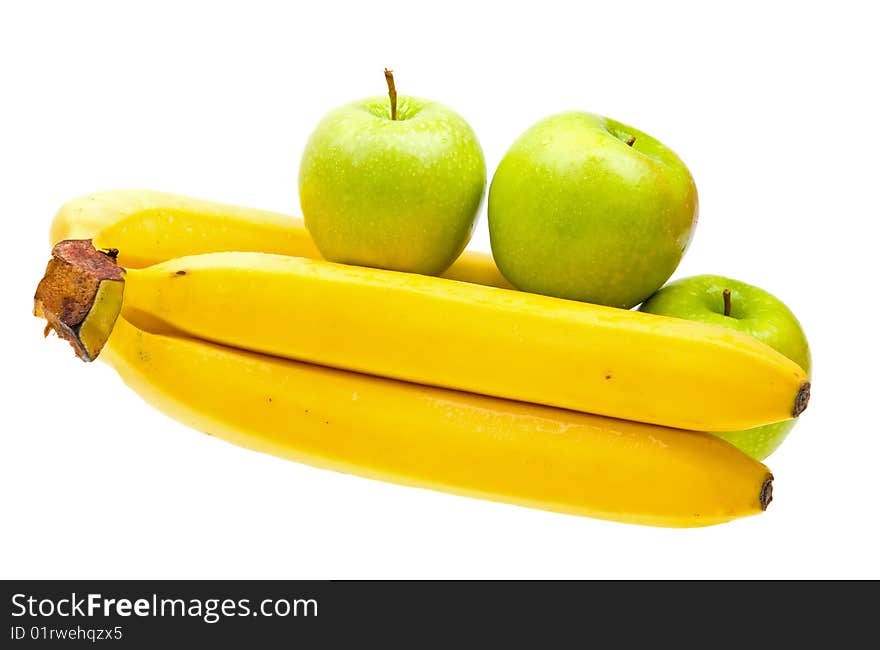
x: 586, y: 208
x: 747, y: 309
x: 401, y: 193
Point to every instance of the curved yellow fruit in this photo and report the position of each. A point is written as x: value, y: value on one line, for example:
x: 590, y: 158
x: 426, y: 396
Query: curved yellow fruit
x: 148, y: 227
x: 444, y: 440
x: 463, y: 336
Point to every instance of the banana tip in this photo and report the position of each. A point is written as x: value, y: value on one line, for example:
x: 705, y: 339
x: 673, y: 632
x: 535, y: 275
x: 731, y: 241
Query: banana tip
x: 766, y: 495
x: 801, y: 400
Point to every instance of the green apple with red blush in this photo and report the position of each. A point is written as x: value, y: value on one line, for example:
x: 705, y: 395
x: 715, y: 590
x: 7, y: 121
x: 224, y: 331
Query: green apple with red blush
x: 748, y: 309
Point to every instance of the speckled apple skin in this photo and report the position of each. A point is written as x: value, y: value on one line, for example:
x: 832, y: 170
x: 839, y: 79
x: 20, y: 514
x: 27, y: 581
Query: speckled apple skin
x: 753, y: 311
x: 401, y: 195
x: 575, y: 212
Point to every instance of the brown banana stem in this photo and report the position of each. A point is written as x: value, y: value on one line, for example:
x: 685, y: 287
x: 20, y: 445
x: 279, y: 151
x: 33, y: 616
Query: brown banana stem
x: 80, y: 295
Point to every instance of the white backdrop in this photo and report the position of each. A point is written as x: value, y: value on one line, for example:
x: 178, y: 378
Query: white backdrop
x: 772, y: 106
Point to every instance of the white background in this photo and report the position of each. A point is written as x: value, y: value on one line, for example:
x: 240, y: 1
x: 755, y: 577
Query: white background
x: 771, y: 105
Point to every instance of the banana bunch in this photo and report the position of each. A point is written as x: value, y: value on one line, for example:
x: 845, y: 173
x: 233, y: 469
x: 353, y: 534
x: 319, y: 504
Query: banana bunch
x: 225, y: 319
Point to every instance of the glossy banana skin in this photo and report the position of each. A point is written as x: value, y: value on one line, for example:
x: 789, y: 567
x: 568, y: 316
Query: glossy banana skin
x: 456, y: 442
x: 491, y: 341
x: 445, y: 440
x: 148, y: 227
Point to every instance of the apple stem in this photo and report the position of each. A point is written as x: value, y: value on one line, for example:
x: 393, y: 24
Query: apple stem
x: 727, y: 302
x: 631, y: 140
x: 392, y: 92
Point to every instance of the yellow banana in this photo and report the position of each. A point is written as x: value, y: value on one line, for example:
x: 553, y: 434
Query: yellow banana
x: 445, y: 440
x: 492, y: 341
x: 149, y: 227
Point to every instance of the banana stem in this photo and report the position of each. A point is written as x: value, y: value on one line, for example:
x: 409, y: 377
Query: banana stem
x: 392, y: 92
x: 80, y: 295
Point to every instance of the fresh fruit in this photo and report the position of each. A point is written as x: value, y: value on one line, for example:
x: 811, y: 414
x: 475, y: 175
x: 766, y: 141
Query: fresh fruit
x: 456, y: 335
x: 586, y: 208
x: 748, y: 309
x: 148, y: 227
x: 81, y: 304
x: 444, y: 440
x: 395, y: 188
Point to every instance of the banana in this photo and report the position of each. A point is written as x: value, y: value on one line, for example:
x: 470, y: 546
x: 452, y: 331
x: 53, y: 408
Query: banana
x: 428, y: 330
x: 427, y: 437
x: 147, y: 227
